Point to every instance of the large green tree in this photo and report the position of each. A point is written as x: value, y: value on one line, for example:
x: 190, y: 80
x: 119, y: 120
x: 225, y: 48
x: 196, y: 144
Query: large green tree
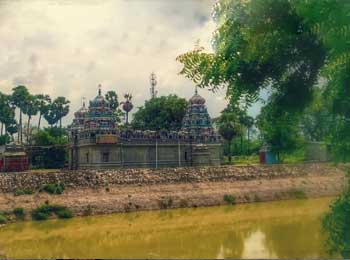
x: 165, y: 112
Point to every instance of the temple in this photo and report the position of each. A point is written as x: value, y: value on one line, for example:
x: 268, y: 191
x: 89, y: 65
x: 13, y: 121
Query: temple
x: 97, y: 142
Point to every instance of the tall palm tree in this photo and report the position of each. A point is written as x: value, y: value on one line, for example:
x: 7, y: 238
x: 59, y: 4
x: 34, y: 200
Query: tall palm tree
x: 31, y: 109
x: 19, y: 99
x: 43, y: 102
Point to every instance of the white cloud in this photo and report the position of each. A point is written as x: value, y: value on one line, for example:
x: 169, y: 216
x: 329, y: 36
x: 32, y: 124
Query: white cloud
x: 66, y: 48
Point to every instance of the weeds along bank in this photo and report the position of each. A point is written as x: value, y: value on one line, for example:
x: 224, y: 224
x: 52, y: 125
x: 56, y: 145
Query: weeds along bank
x: 41, y: 195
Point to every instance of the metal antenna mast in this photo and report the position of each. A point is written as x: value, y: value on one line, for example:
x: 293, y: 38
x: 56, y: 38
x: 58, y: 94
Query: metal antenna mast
x: 153, y: 81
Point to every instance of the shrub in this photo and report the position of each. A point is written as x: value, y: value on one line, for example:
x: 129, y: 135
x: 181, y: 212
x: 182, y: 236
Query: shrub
x: 44, y: 211
x: 3, y: 219
x: 19, y: 213
x: 53, y: 188
x: 20, y: 192
x: 229, y: 199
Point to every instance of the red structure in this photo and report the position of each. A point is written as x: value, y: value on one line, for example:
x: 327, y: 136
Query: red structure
x: 14, y: 159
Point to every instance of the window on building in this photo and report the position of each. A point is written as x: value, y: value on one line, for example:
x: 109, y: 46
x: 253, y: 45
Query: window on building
x: 105, y: 157
x: 87, y: 157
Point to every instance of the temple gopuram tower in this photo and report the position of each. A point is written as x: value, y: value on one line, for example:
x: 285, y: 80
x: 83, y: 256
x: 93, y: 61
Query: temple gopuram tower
x: 198, y: 128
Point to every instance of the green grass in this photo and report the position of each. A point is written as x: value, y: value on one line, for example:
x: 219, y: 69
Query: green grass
x: 20, y: 192
x: 243, y: 159
x: 53, y: 188
x: 230, y: 199
x: 44, y: 211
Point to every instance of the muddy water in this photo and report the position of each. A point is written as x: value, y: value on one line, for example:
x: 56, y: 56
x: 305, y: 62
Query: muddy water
x: 282, y: 229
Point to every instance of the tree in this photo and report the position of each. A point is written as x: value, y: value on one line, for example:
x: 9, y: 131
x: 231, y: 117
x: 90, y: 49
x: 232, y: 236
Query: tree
x: 336, y: 225
x: 6, y: 112
x: 43, y: 102
x: 259, y: 45
x: 19, y: 99
x: 53, y: 153
x: 50, y: 114
x: 31, y: 109
x: 127, y: 106
x: 279, y: 129
x: 112, y: 97
x: 229, y: 127
x: 60, y: 109
x: 165, y: 112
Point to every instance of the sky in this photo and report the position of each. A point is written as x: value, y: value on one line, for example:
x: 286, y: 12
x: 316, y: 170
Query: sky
x: 68, y: 47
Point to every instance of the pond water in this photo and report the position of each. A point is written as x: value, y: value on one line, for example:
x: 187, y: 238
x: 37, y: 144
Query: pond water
x: 281, y: 229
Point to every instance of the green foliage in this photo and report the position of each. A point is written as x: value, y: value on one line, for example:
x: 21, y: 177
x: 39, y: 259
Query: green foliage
x: 53, y: 188
x: 280, y: 129
x: 19, y: 213
x: 230, y: 199
x: 3, y: 219
x: 4, y: 139
x: 56, y: 110
x: 20, y: 192
x: 336, y: 225
x: 44, y: 211
x: 165, y: 112
x: 53, y: 153
x: 112, y: 97
x: 259, y: 44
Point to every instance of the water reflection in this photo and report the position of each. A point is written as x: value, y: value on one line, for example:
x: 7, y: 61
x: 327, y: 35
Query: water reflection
x: 287, y: 229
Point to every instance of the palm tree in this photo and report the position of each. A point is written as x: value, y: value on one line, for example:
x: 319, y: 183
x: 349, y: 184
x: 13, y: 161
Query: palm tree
x: 31, y: 109
x: 43, y: 102
x: 127, y: 106
x: 61, y: 108
x: 19, y: 99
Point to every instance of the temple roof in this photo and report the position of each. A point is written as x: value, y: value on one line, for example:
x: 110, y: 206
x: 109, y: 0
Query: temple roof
x: 197, y: 99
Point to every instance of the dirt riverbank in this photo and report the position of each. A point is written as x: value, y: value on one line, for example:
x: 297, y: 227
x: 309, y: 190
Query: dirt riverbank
x: 302, y: 181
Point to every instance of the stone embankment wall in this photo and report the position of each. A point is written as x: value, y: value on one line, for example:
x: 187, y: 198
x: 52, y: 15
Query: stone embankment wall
x: 10, y: 182
x: 95, y: 192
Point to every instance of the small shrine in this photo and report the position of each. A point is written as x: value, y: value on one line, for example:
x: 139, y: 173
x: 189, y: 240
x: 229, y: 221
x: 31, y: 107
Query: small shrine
x: 13, y: 158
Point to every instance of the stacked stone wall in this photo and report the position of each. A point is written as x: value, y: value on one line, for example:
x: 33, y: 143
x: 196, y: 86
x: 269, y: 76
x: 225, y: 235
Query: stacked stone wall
x: 10, y: 182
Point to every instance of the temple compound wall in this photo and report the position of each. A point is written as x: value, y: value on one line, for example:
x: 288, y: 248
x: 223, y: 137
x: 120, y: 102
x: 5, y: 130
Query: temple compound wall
x: 97, y: 142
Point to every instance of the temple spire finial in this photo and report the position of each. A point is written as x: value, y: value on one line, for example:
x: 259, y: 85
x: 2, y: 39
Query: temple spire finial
x: 196, y: 90
x: 83, y: 99
x: 99, y: 89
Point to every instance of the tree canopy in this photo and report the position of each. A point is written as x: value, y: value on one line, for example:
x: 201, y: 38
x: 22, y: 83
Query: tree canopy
x: 165, y: 112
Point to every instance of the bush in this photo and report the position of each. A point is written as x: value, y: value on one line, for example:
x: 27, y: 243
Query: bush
x: 20, y: 192
x: 3, y: 219
x: 53, y: 188
x: 44, y: 211
x: 229, y: 199
x: 19, y: 213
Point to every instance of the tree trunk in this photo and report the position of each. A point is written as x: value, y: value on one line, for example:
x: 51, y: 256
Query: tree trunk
x: 20, y: 127
x: 39, y: 121
x: 242, y: 144
x: 248, y: 144
x: 2, y: 128
x: 61, y: 123
x: 229, y: 152
x: 29, y: 118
